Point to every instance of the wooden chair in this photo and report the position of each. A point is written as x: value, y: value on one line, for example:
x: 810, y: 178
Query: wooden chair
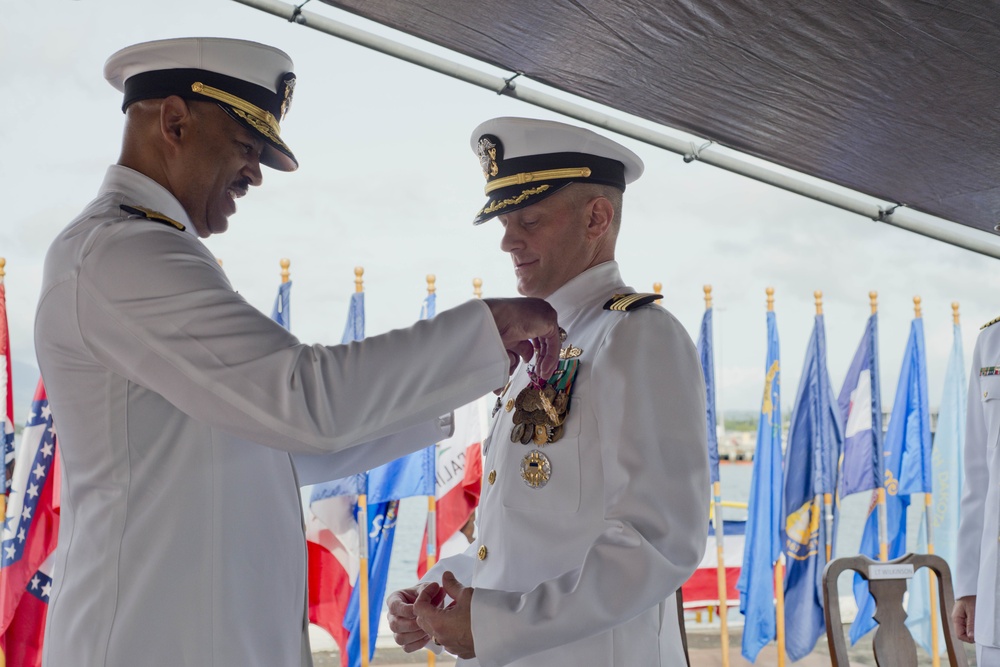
x: 893, y: 644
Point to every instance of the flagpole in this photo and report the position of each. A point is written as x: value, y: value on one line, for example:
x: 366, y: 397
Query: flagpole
x: 363, y: 541
x: 928, y: 509
x: 827, y: 496
x: 883, y: 521
x: 3, y: 453
x: 779, y: 566
x: 3, y: 457
x: 716, y: 511
x: 431, y: 502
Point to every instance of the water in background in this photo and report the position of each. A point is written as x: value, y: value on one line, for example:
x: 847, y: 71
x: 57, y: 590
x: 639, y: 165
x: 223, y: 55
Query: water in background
x: 735, y: 482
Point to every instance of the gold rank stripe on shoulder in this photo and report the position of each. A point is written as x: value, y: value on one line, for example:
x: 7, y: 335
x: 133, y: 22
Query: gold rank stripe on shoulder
x: 991, y: 322
x: 150, y: 214
x: 624, y: 302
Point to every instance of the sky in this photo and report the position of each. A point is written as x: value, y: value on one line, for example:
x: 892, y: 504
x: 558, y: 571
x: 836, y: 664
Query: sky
x: 388, y: 181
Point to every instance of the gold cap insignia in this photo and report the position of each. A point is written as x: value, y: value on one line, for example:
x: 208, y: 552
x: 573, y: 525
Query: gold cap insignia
x: 288, y: 81
x: 490, y: 155
x: 990, y: 323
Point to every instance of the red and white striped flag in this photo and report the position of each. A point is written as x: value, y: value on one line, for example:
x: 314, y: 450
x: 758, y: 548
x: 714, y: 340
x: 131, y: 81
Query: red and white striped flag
x: 29, y: 538
x: 459, y: 477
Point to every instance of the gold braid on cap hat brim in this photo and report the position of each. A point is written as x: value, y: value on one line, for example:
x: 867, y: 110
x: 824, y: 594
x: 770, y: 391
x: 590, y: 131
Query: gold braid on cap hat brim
x: 263, y: 121
x: 529, y: 176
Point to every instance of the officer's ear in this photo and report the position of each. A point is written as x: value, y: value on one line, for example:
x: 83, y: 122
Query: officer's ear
x: 601, y: 214
x: 175, y: 118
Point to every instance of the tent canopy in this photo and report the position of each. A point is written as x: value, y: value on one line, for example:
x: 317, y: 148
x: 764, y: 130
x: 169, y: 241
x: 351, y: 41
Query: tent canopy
x: 895, y: 99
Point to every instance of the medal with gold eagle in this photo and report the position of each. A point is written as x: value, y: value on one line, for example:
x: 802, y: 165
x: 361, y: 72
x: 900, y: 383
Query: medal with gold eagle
x: 541, y: 410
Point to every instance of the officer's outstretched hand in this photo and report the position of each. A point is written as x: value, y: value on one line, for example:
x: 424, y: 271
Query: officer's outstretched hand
x: 451, y: 626
x: 528, y: 327
x: 403, y: 620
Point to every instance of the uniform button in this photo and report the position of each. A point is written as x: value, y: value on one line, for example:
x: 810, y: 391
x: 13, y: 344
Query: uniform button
x: 493, y: 476
x: 510, y: 404
x: 482, y: 552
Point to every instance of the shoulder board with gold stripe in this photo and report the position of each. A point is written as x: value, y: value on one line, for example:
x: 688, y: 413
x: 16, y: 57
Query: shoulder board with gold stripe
x: 991, y: 322
x: 150, y: 214
x: 624, y: 302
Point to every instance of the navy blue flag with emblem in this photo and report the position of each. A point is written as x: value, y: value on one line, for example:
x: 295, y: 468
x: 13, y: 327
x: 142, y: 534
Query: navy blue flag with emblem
x: 282, y: 311
x: 908, y: 433
x: 814, y: 440
x: 763, y: 529
x: 860, y: 405
x: 708, y: 370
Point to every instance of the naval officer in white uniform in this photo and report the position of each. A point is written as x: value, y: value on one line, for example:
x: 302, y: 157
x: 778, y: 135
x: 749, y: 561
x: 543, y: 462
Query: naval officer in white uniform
x: 593, y: 510
x: 187, y: 419
x: 977, y: 573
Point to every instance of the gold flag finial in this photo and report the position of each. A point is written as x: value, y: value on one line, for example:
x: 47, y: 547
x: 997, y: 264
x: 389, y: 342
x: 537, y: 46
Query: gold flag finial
x: 770, y: 299
x: 818, y: 295
x: 873, y: 298
x: 218, y: 261
x: 431, y: 279
x: 3, y: 263
x: 954, y: 304
x: 916, y: 306
x: 658, y: 288
x: 285, y: 263
x: 708, y: 296
x: 358, y: 282
x: 477, y: 287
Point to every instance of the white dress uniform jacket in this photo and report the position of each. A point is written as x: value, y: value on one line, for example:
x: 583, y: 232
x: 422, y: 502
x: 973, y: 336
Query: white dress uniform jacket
x: 582, y: 571
x: 177, y: 406
x: 977, y: 568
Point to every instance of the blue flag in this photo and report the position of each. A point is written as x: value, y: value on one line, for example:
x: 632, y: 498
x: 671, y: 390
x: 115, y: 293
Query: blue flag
x: 763, y: 529
x: 354, y: 328
x: 915, y: 474
x: 860, y: 405
x: 411, y: 475
x: 814, y: 440
x: 282, y: 312
x: 429, y: 308
x: 949, y: 477
x: 708, y: 370
x: 909, y: 427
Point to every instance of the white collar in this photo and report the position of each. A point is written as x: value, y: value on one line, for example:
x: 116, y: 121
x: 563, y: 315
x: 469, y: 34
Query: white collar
x: 147, y: 193
x: 595, y: 285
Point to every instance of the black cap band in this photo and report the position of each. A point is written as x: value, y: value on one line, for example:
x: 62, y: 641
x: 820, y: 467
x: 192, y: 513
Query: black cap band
x: 164, y: 83
x: 602, y: 170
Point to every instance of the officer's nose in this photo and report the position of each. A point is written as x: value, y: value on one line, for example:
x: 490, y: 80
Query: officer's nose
x: 511, y: 239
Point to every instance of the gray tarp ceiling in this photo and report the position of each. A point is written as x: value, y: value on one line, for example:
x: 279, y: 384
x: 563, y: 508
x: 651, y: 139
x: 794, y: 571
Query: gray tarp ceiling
x: 897, y: 99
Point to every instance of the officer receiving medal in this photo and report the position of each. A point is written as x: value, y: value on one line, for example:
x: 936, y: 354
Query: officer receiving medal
x: 593, y: 510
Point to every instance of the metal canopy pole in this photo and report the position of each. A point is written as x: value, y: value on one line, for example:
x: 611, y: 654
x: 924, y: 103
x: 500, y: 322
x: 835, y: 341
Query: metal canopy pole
x: 911, y: 220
